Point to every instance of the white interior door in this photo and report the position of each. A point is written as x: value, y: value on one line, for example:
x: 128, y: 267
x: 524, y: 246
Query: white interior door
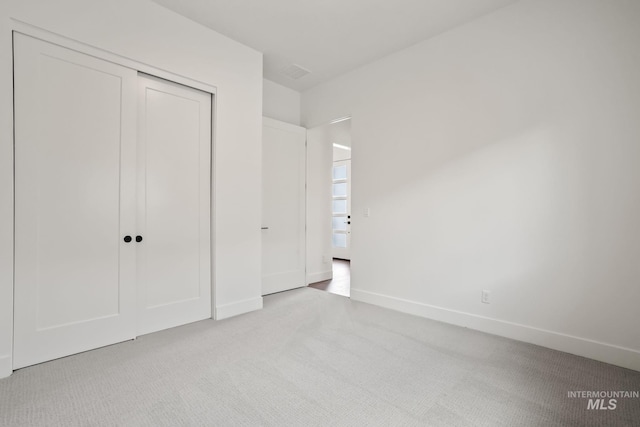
x: 341, y: 209
x: 75, y: 161
x: 283, y: 206
x: 174, y: 164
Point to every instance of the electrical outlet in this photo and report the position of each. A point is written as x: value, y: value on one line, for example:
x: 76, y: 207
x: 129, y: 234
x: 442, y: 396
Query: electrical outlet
x: 485, y: 296
x: 367, y: 212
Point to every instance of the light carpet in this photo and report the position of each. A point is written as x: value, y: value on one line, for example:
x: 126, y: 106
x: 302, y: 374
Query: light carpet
x: 310, y: 358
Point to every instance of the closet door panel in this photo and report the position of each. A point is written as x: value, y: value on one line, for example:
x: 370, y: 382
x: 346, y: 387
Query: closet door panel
x: 174, y: 163
x: 75, y: 199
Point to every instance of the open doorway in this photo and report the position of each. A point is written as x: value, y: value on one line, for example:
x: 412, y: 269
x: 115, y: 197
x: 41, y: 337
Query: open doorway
x: 336, y: 138
x: 341, y: 190
x: 341, y: 282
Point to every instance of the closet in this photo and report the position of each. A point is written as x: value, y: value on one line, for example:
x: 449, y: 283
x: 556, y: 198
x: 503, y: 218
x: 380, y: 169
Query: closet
x: 112, y: 203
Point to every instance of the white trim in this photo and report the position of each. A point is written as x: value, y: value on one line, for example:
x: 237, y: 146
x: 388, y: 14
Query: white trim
x: 57, y: 39
x: 6, y: 368
x: 237, y: 308
x: 277, y: 124
x: 319, y: 277
x: 604, y: 352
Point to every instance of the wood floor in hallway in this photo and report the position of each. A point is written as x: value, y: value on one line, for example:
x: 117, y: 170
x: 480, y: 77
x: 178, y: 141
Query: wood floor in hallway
x: 341, y: 282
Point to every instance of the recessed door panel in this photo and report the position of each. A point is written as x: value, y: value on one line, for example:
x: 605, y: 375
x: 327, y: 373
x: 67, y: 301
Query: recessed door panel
x: 75, y: 198
x: 174, y: 204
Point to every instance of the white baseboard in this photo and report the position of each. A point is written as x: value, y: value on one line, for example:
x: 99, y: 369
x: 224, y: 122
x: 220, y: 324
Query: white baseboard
x: 319, y: 277
x: 5, y: 366
x: 237, y: 308
x: 608, y: 353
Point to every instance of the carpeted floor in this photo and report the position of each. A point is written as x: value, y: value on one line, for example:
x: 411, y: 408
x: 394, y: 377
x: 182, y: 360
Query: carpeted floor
x: 310, y: 358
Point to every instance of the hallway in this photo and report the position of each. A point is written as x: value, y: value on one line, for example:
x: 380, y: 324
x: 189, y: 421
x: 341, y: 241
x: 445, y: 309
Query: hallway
x: 341, y: 282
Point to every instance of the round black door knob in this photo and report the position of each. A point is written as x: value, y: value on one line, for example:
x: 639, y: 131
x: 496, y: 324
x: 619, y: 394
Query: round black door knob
x: 138, y: 239
x: 127, y: 239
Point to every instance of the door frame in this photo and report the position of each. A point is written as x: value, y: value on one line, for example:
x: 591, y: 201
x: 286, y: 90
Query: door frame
x: 16, y: 26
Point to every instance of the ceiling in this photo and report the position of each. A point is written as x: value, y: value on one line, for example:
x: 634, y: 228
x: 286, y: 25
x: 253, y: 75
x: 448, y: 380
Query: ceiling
x: 328, y: 37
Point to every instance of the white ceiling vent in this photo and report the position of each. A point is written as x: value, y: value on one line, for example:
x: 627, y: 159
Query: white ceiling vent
x: 294, y: 71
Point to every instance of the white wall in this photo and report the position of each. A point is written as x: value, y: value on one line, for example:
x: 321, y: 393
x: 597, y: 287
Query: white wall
x: 503, y: 155
x: 280, y: 103
x: 149, y: 34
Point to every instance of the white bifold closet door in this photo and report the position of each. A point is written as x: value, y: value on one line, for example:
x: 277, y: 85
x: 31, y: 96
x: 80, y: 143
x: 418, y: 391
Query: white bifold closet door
x: 83, y: 181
